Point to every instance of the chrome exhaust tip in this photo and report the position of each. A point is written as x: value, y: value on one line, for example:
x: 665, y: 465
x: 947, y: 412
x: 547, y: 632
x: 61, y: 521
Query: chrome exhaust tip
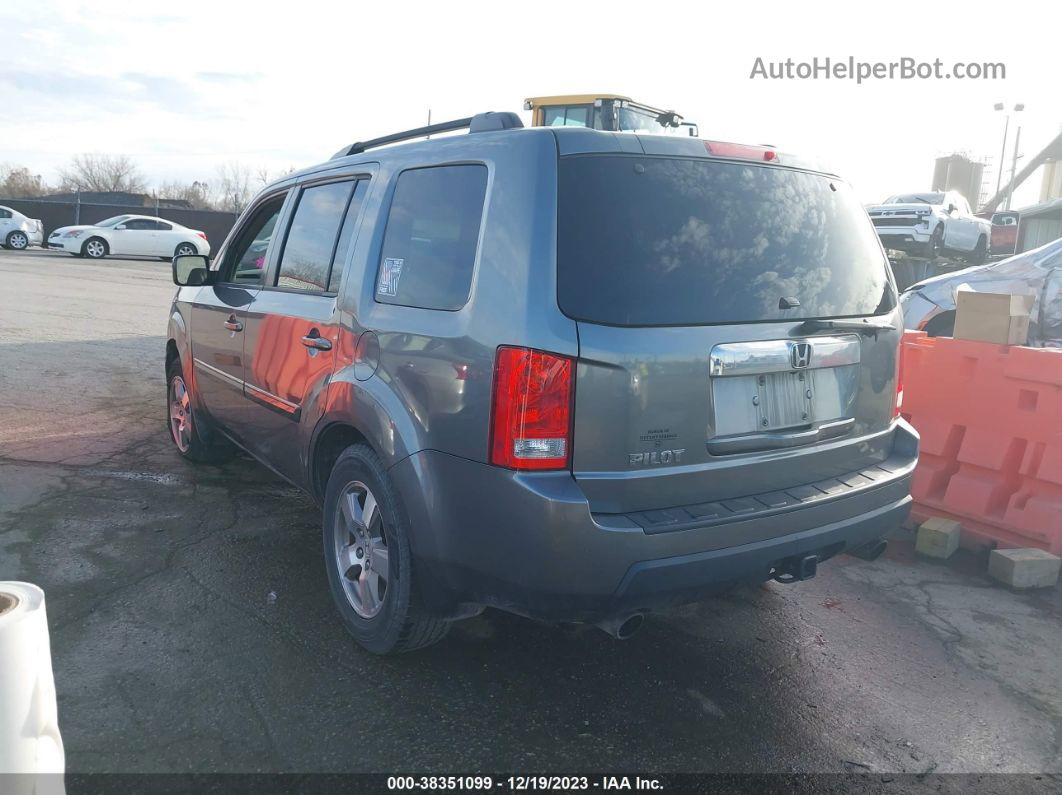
x: 871, y: 551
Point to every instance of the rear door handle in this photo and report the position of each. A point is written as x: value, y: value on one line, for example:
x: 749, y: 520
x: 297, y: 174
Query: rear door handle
x: 232, y: 324
x: 315, y: 341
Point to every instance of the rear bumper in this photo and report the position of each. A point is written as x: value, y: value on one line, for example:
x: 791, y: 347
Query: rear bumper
x: 528, y: 543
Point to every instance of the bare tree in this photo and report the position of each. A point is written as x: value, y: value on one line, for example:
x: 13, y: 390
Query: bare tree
x: 233, y: 187
x: 197, y: 194
x: 16, y: 182
x: 102, y: 173
x: 264, y: 176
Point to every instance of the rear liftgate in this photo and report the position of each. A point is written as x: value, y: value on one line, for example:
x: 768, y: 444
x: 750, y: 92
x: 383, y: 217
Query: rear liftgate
x: 777, y: 394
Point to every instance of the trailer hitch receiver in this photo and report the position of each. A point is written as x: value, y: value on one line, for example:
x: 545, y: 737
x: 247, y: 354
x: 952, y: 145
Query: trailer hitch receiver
x: 797, y: 569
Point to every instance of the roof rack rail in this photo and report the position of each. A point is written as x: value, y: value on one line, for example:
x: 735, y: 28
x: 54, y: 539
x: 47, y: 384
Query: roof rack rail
x: 481, y: 122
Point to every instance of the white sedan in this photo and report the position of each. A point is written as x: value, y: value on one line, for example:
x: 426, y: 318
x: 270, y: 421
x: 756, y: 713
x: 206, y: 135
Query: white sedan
x: 19, y: 232
x: 130, y: 235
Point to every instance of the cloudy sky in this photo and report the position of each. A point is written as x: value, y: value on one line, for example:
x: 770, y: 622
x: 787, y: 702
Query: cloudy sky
x: 184, y: 86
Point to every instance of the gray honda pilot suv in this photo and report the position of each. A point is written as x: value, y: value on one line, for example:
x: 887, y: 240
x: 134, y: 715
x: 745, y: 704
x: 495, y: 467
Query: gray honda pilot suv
x: 571, y: 374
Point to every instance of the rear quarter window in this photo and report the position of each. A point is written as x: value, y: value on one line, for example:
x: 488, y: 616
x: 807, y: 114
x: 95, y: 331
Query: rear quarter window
x: 430, y: 241
x: 664, y: 241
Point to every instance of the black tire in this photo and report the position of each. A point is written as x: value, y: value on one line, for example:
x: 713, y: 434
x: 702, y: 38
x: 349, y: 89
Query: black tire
x: 217, y: 451
x: 184, y: 249
x: 402, y: 623
x: 980, y: 252
x: 935, y: 246
x: 17, y: 241
x: 95, y: 252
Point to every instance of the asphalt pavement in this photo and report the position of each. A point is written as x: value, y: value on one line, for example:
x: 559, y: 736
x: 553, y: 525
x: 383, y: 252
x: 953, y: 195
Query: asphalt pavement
x: 192, y: 630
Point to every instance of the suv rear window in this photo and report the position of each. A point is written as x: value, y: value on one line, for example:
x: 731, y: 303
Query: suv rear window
x: 665, y: 241
x: 432, y: 233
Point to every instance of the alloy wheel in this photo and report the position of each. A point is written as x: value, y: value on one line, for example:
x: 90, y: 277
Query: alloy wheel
x: 360, y: 548
x: 18, y: 241
x: 180, y: 414
x: 95, y: 249
x: 185, y: 250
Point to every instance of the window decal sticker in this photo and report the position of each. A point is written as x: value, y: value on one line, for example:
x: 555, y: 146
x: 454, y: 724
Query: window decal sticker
x: 389, y: 275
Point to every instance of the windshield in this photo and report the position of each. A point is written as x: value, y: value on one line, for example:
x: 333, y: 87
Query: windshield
x: 111, y: 221
x: 660, y: 241
x: 916, y: 198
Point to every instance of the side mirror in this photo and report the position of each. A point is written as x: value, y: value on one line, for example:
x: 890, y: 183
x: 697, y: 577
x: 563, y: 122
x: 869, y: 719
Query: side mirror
x: 191, y: 270
x: 120, y: 226
x: 952, y: 209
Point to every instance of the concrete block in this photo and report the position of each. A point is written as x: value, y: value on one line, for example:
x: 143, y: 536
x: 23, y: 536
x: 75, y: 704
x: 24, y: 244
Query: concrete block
x: 1024, y: 568
x: 938, y: 538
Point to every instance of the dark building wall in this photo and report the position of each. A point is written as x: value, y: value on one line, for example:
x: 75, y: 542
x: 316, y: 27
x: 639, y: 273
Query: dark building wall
x: 54, y: 214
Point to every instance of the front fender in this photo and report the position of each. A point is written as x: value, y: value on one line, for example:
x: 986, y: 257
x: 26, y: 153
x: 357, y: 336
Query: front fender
x: 177, y: 331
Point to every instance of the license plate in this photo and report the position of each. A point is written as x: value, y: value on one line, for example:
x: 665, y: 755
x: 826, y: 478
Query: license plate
x: 773, y: 401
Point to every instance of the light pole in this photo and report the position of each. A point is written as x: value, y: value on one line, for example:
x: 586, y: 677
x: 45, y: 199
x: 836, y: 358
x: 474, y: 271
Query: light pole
x: 1003, y: 151
x: 1014, y: 166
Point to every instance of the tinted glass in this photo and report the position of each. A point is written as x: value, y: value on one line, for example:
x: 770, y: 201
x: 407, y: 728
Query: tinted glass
x: 245, y: 262
x: 661, y: 241
x: 346, y: 235
x: 430, y: 244
x: 307, y: 256
x: 565, y: 116
x: 165, y: 227
x: 140, y: 224
x: 113, y: 221
x: 5, y: 213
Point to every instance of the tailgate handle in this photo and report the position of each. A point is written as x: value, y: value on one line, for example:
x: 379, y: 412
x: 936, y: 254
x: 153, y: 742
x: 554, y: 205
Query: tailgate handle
x: 756, y: 442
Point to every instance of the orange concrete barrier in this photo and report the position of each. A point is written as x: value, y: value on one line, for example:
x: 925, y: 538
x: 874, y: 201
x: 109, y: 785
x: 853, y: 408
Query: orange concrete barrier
x: 990, y: 418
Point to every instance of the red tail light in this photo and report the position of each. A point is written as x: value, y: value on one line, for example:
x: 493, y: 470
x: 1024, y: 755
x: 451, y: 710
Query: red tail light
x: 899, y: 384
x: 202, y: 235
x: 724, y: 149
x: 531, y: 425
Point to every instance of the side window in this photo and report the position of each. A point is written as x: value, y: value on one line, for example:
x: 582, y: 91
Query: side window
x: 311, y: 241
x: 346, y: 234
x: 5, y: 213
x: 429, y: 247
x: 567, y: 116
x: 245, y: 260
x: 163, y: 226
x: 139, y: 224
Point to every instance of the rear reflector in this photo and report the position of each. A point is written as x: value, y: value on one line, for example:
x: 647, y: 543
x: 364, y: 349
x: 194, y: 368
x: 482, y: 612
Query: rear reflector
x: 724, y: 149
x: 531, y: 425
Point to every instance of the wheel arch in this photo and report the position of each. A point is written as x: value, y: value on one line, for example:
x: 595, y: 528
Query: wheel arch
x: 331, y: 439
x: 941, y: 324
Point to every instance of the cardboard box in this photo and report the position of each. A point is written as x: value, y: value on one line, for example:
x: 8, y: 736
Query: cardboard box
x: 993, y: 317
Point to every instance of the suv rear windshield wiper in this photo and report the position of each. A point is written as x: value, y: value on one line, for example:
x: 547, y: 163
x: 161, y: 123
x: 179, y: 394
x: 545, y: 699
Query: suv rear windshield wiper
x: 861, y: 326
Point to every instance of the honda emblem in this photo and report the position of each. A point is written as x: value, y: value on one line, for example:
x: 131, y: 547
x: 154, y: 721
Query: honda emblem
x: 800, y: 354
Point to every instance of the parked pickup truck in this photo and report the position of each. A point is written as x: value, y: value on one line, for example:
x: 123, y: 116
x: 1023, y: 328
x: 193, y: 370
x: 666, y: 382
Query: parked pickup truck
x: 930, y: 224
